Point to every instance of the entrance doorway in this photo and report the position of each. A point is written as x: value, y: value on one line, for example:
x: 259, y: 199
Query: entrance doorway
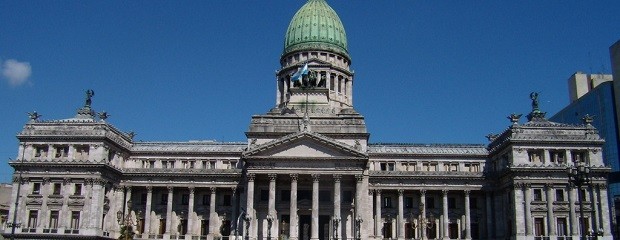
x: 305, y: 227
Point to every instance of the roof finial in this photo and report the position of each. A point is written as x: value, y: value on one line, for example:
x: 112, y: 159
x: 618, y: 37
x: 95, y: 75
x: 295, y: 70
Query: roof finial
x: 89, y: 95
x: 536, y: 114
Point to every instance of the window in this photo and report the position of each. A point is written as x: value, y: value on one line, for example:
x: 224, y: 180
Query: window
x: 53, y: 219
x: 535, y: 156
x: 304, y: 195
x: 451, y: 167
x: 192, y: 164
x: 81, y: 152
x: 185, y: 199
x: 111, y: 155
x: 408, y: 202
x: 539, y: 226
x: 285, y: 195
x: 77, y: 189
x: 151, y: 164
x: 562, y: 227
x: 233, y: 165
x: 164, y: 199
x: 75, y: 220
x: 36, y: 188
x: 61, y: 151
x: 537, y: 194
x: 211, y: 164
x: 32, y: 218
x: 227, y: 200
x: 40, y: 151
x: 383, y: 166
x: 472, y: 167
x: 410, y: 166
x: 185, y: 164
x: 57, y: 187
x: 451, y: 203
x: 579, y: 156
x: 559, y: 195
x: 558, y: 156
x: 387, y: 202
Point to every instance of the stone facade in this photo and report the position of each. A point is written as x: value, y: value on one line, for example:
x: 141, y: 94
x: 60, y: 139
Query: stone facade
x: 306, y: 172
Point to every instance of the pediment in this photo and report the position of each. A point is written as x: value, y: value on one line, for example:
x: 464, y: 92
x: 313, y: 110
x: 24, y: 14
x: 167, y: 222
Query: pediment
x: 304, y: 145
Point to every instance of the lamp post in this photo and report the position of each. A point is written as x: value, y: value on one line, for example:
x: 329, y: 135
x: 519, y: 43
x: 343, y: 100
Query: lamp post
x: 270, y: 219
x: 579, y: 175
x: 423, y: 223
x: 125, y: 223
x: 358, y: 226
x: 336, y: 222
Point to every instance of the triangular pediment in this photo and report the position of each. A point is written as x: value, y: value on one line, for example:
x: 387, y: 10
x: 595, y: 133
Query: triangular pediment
x: 304, y: 145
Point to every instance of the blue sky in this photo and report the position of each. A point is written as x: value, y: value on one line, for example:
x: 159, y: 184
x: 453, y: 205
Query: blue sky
x: 425, y: 71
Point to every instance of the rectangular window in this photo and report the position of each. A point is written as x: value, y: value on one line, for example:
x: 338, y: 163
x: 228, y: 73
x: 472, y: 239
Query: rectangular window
x: 77, y: 189
x: 562, y: 227
x: 451, y: 203
x: 390, y: 167
x: 53, y: 219
x: 387, y: 202
x: 81, y: 152
x: 192, y: 164
x: 559, y: 195
x: 40, y: 151
x: 164, y: 199
x: 185, y: 199
x: 75, y: 220
x: 347, y: 196
x: 579, y: 156
x: 32, y: 218
x: 539, y: 227
x: 558, y: 156
x: 36, y: 188
x: 212, y: 165
x: 57, y: 187
x: 383, y: 166
x: 535, y: 156
x: 233, y: 165
x: 61, y: 151
x: 537, y: 194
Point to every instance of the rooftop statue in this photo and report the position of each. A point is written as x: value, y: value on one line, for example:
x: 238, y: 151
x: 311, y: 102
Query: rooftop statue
x: 34, y: 116
x: 89, y: 95
x: 534, y: 97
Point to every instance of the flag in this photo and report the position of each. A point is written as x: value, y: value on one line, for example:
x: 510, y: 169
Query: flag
x: 300, y: 72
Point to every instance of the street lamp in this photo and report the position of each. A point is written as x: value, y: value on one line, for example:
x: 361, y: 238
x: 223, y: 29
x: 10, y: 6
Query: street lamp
x: 336, y: 222
x: 358, y: 226
x: 270, y: 219
x: 579, y: 176
x: 125, y: 222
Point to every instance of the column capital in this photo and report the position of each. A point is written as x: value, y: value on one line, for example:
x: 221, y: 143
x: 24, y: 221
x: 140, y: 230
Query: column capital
x: 444, y: 192
x: 127, y: 188
x: 517, y: 186
x: 316, y: 177
x: 212, y: 189
x: 400, y: 192
x: 378, y: 191
x: 251, y: 177
x: 423, y: 192
x: 359, y: 178
x: 294, y: 177
x: 272, y: 177
x: 234, y: 190
x: 549, y: 186
x: 46, y: 180
x: 66, y: 180
x: 149, y: 189
x: 170, y: 189
x: 337, y: 177
x: 467, y: 191
x: 191, y: 190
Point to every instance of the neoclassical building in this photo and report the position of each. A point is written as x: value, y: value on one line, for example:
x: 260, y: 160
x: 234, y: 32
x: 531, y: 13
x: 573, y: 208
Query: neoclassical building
x: 307, y: 171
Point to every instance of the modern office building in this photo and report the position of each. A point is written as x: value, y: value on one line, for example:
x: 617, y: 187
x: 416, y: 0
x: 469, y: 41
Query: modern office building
x: 307, y: 170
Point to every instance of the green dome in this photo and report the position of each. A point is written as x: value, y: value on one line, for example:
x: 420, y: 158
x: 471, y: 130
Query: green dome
x: 316, y: 26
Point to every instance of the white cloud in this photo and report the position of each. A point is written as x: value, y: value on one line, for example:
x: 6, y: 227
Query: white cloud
x: 15, y: 72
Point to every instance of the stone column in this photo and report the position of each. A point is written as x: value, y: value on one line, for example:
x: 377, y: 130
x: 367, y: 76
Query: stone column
x: 147, y: 211
x: 604, y: 209
x: 127, y: 198
x: 190, y: 212
x: 358, y: 205
x: 517, y: 200
x: 595, y: 205
x: 378, y: 232
x: 446, y: 218
x: 528, y: 210
x: 44, y: 191
x: 250, y: 205
x: 233, y: 219
x: 550, y: 216
x: 573, y: 214
x: 337, y: 205
x: 169, y: 210
x: 293, y: 209
x: 314, y: 233
x: 271, y: 207
x: 401, y: 215
x: 422, y: 228
x: 467, y: 216
x: 212, y: 216
x: 64, y: 210
x: 489, y: 214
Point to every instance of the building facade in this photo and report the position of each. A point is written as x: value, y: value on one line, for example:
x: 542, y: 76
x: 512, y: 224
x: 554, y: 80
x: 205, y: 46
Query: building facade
x: 307, y: 171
